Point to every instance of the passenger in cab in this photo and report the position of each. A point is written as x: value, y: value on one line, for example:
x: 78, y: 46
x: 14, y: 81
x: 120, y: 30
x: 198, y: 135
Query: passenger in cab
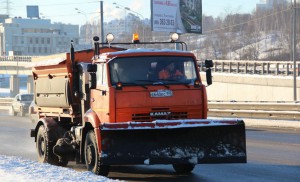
x: 170, y: 72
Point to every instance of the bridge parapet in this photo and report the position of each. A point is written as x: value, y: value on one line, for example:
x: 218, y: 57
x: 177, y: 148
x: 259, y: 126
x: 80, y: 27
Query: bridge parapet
x: 254, y: 67
x: 16, y: 58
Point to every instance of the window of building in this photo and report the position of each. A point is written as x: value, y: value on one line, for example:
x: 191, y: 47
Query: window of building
x: 36, y: 40
x: 48, y: 40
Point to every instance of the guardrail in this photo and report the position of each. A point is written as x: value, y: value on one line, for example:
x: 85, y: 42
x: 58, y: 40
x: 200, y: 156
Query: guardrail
x: 254, y: 67
x: 259, y: 110
x: 16, y: 58
x: 5, y: 103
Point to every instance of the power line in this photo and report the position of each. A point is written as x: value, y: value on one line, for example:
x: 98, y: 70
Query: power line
x: 253, y: 20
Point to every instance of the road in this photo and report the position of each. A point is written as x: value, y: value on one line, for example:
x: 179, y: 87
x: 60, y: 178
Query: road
x: 273, y: 155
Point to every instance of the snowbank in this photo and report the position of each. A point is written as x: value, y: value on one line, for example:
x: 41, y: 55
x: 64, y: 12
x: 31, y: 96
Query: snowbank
x: 19, y: 169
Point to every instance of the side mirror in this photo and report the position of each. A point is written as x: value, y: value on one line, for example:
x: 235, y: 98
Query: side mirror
x: 92, y: 81
x: 91, y: 68
x: 208, y: 77
x: 209, y: 63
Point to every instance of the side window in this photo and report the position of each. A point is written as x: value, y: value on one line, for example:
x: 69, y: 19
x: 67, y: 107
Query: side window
x: 101, y: 74
x: 104, y: 77
x: 189, y: 70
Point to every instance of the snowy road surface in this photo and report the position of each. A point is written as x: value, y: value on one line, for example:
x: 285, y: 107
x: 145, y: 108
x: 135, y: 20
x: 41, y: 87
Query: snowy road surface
x: 273, y: 155
x: 22, y: 170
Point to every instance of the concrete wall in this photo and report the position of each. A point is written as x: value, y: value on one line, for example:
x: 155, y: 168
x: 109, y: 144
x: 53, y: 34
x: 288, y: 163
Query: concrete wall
x: 241, y: 87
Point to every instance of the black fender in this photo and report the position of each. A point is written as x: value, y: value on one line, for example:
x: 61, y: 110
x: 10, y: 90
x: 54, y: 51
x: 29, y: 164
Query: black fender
x: 52, y: 128
x: 91, y: 122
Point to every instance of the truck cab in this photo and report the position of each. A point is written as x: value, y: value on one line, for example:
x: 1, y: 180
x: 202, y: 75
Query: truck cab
x: 129, y: 84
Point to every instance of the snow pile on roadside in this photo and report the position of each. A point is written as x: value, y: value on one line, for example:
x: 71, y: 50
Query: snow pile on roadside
x: 18, y: 169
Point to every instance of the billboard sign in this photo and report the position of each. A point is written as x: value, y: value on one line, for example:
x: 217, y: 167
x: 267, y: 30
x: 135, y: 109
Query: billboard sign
x: 181, y: 16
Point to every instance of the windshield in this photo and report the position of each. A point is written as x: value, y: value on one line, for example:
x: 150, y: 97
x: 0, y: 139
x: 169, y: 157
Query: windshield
x: 26, y: 97
x: 153, y: 70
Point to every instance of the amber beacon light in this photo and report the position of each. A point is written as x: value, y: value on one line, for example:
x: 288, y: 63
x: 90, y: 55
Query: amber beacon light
x: 135, y: 38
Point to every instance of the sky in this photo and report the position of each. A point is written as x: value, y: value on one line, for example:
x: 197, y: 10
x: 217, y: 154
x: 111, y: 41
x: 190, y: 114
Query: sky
x: 64, y: 11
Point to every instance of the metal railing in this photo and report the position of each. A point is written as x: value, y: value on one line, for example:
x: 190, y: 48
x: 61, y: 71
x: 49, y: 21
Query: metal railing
x: 258, y: 110
x: 253, y: 67
x: 16, y: 58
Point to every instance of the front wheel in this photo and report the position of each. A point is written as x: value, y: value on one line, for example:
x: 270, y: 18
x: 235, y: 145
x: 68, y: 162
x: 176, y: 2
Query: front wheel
x: 92, y: 157
x: 183, y: 168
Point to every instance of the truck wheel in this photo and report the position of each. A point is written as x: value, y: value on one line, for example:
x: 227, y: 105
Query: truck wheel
x: 44, y: 148
x: 183, y: 168
x: 92, y: 158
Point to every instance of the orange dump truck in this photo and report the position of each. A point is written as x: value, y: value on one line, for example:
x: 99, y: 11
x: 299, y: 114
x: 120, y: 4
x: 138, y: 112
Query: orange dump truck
x: 113, y: 108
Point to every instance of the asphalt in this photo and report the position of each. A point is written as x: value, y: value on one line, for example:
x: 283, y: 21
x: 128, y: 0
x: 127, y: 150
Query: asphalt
x: 272, y: 123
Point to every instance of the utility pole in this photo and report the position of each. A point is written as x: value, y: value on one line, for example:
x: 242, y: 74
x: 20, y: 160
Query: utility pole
x: 101, y: 22
x: 294, y: 51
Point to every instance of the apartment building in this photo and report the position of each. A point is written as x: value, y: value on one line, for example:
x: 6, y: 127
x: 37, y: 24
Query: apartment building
x: 35, y: 37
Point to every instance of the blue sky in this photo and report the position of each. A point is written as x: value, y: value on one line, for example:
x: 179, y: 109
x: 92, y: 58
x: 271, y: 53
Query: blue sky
x: 64, y: 10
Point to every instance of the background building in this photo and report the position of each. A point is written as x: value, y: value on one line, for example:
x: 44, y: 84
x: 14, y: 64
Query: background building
x: 269, y: 4
x: 32, y: 37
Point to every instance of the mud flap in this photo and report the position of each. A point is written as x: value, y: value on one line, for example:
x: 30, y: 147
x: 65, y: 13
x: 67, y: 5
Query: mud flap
x: 198, y: 142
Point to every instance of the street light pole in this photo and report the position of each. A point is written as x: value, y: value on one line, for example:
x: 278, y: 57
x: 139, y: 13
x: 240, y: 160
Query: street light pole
x: 101, y: 21
x: 141, y: 20
x: 86, y: 24
x: 83, y: 13
x: 126, y: 8
x: 294, y: 51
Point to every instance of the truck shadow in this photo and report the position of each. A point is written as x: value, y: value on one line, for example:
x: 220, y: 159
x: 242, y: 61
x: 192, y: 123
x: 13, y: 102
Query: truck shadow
x: 149, y: 173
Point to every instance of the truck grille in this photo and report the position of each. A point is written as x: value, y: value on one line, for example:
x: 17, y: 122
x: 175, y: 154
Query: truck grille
x: 146, y: 117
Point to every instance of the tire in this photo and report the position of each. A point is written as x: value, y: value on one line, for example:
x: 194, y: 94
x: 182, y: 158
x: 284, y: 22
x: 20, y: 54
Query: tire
x: 22, y: 112
x: 13, y: 111
x: 92, y: 158
x: 45, y: 148
x: 183, y: 168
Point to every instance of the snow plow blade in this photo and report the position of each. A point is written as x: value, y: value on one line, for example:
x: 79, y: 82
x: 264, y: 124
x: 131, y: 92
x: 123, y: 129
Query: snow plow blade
x: 174, y: 142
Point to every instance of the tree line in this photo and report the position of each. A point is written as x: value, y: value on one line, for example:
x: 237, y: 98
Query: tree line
x: 264, y: 34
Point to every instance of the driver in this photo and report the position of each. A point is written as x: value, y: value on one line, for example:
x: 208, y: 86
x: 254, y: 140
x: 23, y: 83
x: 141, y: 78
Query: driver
x: 169, y: 72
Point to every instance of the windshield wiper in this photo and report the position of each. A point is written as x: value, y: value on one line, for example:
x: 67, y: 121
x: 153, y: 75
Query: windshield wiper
x: 154, y: 82
x: 161, y: 83
x: 135, y: 84
x: 150, y: 81
x: 177, y: 81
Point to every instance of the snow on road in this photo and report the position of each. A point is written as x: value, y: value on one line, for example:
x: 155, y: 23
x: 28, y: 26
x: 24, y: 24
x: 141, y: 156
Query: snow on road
x: 18, y: 169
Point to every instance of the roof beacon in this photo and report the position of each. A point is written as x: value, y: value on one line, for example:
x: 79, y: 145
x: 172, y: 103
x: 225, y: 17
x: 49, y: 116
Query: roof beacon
x: 135, y: 38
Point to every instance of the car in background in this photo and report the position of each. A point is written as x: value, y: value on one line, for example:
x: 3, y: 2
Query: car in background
x: 32, y: 113
x: 20, y: 104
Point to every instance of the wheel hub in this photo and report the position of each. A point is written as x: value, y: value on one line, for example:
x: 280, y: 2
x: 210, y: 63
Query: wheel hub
x: 42, y: 146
